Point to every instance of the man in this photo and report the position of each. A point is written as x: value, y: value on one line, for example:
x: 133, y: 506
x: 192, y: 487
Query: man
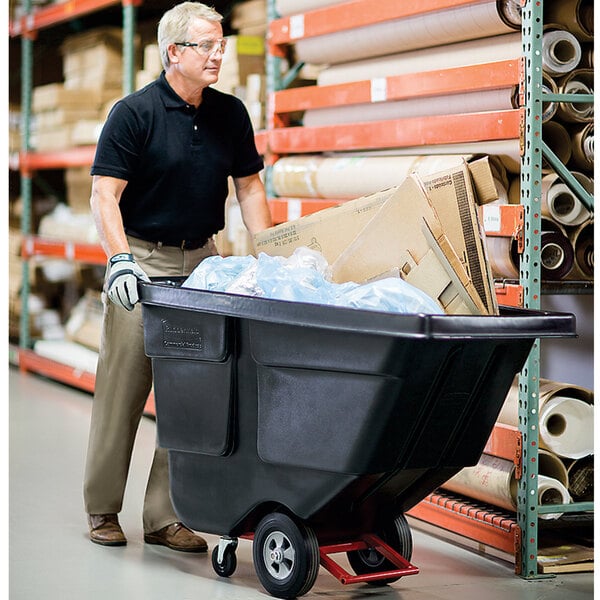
x: 158, y: 194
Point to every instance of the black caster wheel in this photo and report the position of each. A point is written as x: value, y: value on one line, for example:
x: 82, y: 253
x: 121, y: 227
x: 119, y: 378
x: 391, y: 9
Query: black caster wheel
x: 286, y: 556
x: 397, y: 535
x: 227, y: 566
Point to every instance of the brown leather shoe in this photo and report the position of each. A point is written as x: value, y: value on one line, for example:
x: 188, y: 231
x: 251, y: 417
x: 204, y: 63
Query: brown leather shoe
x: 105, y: 530
x: 177, y: 537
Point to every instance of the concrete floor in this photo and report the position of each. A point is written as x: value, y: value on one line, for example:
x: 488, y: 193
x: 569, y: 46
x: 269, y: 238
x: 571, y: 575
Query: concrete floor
x: 51, y: 557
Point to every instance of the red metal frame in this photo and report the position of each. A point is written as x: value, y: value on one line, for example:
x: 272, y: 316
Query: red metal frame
x: 356, y: 13
x: 79, y: 251
x: 477, y: 523
x: 509, y: 294
x: 366, y: 541
x: 501, y: 74
x: 419, y: 131
x: 511, y: 222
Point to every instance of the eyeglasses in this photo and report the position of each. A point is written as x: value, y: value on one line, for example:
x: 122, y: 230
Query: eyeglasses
x: 206, y: 47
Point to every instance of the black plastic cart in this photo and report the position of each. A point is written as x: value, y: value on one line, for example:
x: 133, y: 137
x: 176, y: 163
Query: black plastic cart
x: 312, y: 429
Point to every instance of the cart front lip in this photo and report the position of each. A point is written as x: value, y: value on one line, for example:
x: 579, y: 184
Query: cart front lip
x: 512, y: 323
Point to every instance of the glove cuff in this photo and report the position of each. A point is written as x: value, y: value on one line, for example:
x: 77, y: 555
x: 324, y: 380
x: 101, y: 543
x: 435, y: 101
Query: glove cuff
x: 120, y: 257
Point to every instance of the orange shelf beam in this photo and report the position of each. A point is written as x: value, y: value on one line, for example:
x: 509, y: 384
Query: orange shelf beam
x: 509, y: 294
x: 288, y: 209
x: 422, y: 131
x: 82, y: 252
x: 349, y: 15
x: 475, y: 522
x: 79, y: 156
x: 28, y: 360
x: 58, y: 12
x: 495, y: 75
x: 506, y: 220
x: 506, y: 442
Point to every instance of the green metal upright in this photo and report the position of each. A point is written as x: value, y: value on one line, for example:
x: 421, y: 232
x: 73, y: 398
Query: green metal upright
x: 129, y: 20
x: 26, y: 183
x: 530, y: 276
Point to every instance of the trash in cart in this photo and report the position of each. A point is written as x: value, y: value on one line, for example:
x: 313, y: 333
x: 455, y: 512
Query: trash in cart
x: 312, y: 429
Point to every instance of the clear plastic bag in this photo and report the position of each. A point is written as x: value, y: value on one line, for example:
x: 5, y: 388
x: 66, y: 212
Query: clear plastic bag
x: 305, y: 277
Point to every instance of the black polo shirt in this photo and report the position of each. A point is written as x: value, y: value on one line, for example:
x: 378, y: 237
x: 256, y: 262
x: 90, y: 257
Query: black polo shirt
x: 176, y: 159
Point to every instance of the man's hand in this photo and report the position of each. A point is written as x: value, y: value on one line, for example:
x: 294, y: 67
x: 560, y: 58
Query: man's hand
x: 123, y: 275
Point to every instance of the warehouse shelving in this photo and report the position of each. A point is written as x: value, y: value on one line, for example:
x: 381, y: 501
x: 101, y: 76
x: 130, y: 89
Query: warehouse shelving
x: 516, y: 535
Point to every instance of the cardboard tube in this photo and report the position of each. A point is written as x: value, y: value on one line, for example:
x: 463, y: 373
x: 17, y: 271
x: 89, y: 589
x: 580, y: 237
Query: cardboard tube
x: 582, y: 240
x: 561, y: 204
x: 561, y: 52
x: 557, y: 256
x: 551, y: 465
x: 566, y: 426
x: 582, y: 145
x: 551, y: 491
x: 575, y: 15
x: 581, y: 479
x: 492, y: 480
x: 410, y: 33
x: 460, y: 54
x: 548, y: 108
x: 482, y: 101
x: 579, y: 81
x: 558, y: 140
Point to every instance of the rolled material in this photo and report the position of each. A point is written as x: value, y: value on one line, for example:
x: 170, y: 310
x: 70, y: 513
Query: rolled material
x: 488, y: 100
x: 566, y: 418
x: 561, y: 52
x: 558, y: 140
x: 581, y: 479
x: 582, y: 240
x: 295, y: 7
x: 401, y: 35
x: 461, y: 54
x: 551, y: 465
x: 582, y: 144
x: 549, y: 87
x: 557, y: 256
x: 577, y: 16
x: 579, y: 81
x: 319, y: 176
x: 561, y: 204
x: 493, y: 481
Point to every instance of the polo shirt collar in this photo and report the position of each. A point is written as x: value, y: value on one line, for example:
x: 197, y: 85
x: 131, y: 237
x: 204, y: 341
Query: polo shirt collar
x: 170, y: 97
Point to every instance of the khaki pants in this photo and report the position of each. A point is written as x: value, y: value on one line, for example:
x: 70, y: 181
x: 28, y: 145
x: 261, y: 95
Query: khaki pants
x: 123, y: 382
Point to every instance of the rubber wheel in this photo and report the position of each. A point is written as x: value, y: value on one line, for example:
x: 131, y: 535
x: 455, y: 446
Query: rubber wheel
x: 229, y: 564
x: 397, y: 535
x: 286, y: 556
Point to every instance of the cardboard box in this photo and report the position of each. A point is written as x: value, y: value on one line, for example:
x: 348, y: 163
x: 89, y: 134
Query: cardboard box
x: 434, y: 255
x: 452, y: 195
x: 329, y: 231
x: 407, y: 234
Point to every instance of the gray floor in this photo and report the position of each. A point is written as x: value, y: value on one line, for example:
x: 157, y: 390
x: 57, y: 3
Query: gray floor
x: 51, y: 558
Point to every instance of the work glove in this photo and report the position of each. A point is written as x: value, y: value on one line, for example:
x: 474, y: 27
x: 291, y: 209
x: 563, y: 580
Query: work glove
x: 123, y: 275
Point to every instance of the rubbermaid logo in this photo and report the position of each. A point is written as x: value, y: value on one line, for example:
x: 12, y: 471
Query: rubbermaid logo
x: 187, y: 338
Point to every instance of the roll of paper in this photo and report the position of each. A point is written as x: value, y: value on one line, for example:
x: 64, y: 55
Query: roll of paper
x: 581, y: 479
x: 558, y: 140
x: 472, y: 52
x: 561, y: 51
x: 561, y: 204
x: 551, y: 465
x: 482, y: 101
x: 582, y: 240
x: 295, y: 7
x: 549, y: 87
x: 579, y: 81
x: 401, y: 35
x: 557, y: 256
x: 319, y: 176
x: 566, y: 417
x: 577, y: 16
x: 582, y: 145
x: 492, y: 480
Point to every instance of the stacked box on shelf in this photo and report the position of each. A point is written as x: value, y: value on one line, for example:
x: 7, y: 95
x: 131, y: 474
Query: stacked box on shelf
x: 250, y: 18
x: 71, y: 113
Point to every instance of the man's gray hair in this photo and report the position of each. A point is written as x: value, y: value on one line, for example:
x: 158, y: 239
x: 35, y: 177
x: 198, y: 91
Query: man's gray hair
x: 174, y: 24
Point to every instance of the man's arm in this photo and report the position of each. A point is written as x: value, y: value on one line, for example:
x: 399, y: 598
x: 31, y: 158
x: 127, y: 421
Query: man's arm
x: 252, y: 198
x: 104, y: 202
